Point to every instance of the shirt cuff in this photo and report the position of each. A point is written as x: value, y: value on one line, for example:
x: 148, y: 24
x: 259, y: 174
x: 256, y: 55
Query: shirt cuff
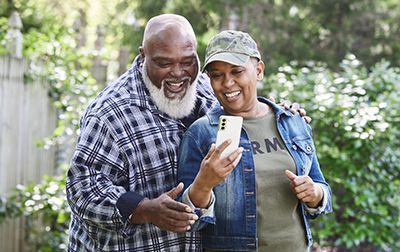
x: 320, y: 209
x: 205, y: 214
x: 127, y: 203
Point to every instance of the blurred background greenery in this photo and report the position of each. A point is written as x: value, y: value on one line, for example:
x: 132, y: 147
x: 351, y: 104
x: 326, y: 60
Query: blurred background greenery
x: 338, y: 59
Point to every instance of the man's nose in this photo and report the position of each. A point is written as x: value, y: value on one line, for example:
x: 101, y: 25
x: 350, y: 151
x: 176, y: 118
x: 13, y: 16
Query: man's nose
x: 177, y: 70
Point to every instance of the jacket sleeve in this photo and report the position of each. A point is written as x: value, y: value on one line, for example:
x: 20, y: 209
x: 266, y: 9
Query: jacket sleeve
x: 191, y: 155
x: 317, y: 176
x: 97, y: 181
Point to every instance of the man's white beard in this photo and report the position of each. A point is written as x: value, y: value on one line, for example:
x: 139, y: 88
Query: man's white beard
x: 176, y: 108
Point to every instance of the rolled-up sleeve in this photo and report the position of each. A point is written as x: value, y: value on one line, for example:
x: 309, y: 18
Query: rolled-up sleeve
x: 206, y: 215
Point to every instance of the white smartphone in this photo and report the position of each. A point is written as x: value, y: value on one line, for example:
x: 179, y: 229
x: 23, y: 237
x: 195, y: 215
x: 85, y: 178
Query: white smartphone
x: 229, y: 127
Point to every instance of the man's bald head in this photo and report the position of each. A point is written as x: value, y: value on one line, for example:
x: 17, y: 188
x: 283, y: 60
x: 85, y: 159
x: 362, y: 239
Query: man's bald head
x: 170, y: 64
x: 167, y: 25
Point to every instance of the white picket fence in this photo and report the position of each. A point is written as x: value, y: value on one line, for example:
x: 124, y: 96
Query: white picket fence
x: 26, y: 116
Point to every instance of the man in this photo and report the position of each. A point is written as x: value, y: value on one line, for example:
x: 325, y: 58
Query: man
x: 121, y: 183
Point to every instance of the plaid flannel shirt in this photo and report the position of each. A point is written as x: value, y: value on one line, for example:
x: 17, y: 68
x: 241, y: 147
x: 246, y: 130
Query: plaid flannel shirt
x: 127, y: 150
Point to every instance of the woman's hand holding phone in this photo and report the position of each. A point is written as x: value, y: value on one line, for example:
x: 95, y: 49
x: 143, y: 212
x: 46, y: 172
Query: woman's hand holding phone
x: 219, y: 162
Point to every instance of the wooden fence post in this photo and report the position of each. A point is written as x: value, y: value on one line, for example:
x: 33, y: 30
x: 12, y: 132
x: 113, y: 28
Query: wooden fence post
x: 99, y: 69
x: 14, y: 38
x: 80, y: 28
x: 123, y: 59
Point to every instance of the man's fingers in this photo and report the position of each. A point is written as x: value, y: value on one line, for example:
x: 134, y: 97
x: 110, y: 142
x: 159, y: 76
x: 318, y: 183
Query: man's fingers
x: 285, y: 104
x: 173, y: 193
x: 175, y: 205
x: 177, y: 212
x: 302, y: 111
x: 295, y: 107
x: 178, y: 221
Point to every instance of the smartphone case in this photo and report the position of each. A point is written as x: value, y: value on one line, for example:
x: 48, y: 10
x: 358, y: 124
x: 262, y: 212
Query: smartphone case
x: 229, y: 127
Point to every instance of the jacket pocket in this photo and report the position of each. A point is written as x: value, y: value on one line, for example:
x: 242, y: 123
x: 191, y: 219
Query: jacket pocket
x: 305, y: 149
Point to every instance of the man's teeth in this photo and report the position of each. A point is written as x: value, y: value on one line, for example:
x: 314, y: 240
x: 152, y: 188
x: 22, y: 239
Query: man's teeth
x: 229, y: 95
x: 175, y: 84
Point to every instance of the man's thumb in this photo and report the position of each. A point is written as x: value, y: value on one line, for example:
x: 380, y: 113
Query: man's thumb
x: 290, y: 175
x: 173, y: 193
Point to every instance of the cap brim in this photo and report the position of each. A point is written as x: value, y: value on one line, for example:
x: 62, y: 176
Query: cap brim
x: 236, y: 59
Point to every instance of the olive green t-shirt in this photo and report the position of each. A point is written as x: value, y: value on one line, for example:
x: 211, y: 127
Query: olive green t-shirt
x: 279, y: 225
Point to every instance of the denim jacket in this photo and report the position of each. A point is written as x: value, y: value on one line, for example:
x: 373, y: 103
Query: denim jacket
x: 231, y: 223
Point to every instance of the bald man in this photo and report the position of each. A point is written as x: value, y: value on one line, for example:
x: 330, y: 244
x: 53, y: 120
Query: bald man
x: 121, y: 184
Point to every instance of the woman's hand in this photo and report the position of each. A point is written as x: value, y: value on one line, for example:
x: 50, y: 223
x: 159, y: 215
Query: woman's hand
x: 305, y: 189
x: 213, y: 170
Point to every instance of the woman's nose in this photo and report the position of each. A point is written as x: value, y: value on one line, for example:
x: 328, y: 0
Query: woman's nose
x: 228, y: 82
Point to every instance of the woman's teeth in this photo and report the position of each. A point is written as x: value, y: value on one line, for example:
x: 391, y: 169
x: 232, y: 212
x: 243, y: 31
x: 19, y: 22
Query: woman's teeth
x: 230, y: 95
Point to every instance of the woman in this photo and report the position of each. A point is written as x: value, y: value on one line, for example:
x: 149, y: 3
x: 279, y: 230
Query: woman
x: 259, y: 197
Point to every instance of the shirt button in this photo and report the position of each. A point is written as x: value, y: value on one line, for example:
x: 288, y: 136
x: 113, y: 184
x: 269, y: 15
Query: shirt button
x: 294, y: 147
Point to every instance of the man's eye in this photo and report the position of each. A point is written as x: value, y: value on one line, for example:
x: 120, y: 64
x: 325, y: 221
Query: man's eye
x: 187, y: 63
x: 164, y: 65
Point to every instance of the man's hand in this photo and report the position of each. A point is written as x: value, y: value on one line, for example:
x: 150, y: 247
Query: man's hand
x: 305, y: 189
x: 165, y: 212
x: 294, y: 108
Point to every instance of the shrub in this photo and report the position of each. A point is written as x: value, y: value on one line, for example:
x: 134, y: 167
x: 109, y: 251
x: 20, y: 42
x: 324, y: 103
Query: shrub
x: 46, y: 213
x: 356, y: 129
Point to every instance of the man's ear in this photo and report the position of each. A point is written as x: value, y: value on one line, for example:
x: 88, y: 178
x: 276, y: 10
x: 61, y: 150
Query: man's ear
x: 141, y: 51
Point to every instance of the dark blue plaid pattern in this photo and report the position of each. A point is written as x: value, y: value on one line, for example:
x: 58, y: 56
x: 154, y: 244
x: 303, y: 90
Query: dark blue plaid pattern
x: 126, y: 145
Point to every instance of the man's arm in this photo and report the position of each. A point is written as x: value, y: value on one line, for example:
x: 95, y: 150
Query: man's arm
x: 97, y: 183
x: 96, y: 169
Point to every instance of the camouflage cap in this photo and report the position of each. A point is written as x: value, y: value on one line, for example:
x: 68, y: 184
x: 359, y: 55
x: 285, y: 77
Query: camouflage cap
x: 234, y: 47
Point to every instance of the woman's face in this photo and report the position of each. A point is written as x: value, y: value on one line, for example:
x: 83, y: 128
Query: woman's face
x: 236, y: 86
